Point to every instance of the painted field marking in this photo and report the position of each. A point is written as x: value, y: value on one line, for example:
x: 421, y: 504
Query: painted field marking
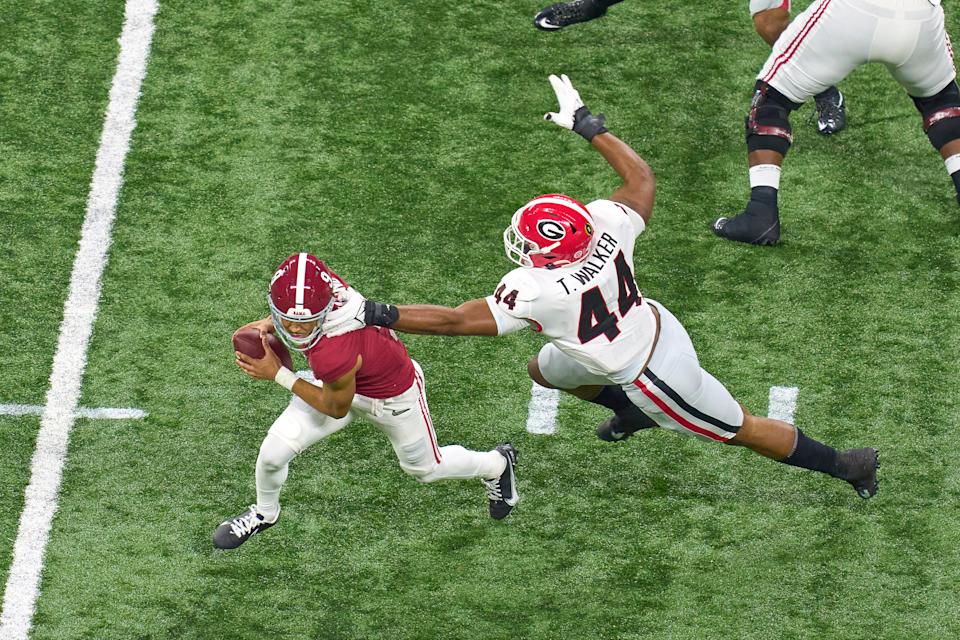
x: 96, y: 413
x: 542, y: 410
x: 79, y: 313
x: 782, y: 403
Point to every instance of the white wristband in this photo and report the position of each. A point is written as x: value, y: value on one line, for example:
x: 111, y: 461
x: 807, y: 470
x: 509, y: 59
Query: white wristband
x: 285, y: 378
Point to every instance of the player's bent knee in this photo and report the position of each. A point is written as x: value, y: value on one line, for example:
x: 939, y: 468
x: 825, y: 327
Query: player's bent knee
x: 533, y: 369
x: 768, y: 122
x: 941, y: 115
x: 423, y: 475
x: 417, y: 459
x: 770, y: 23
x: 274, y: 454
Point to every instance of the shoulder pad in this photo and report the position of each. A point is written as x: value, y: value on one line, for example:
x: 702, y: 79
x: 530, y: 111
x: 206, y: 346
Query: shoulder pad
x: 617, y: 214
x: 524, y: 282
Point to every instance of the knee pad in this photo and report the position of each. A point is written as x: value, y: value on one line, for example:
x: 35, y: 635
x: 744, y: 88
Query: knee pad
x: 941, y: 115
x: 416, y: 458
x: 275, y: 453
x: 768, y: 123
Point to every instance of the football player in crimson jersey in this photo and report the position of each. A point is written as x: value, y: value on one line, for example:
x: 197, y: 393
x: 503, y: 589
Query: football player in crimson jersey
x: 607, y: 343
x: 366, y: 373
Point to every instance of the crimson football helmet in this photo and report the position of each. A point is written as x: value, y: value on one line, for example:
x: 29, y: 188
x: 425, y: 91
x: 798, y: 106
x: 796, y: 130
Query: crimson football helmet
x: 300, y: 292
x: 549, y: 231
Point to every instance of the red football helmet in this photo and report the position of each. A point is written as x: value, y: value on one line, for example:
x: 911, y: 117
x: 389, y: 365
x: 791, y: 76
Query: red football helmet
x: 549, y: 231
x: 300, y: 292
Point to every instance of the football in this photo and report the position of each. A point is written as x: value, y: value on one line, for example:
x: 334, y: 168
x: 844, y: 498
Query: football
x: 248, y: 341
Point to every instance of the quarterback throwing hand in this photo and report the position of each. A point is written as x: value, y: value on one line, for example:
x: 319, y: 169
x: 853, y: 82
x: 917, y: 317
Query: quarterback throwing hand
x: 367, y: 373
x: 607, y: 343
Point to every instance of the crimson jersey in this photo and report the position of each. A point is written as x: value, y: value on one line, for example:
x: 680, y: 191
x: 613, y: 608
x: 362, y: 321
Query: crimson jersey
x: 387, y: 370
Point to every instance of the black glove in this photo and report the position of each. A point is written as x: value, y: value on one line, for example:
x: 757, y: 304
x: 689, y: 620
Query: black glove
x: 587, y: 124
x: 379, y: 315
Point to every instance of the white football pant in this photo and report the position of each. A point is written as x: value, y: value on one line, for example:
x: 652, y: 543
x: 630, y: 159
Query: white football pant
x: 673, y: 389
x: 405, y: 419
x: 822, y: 45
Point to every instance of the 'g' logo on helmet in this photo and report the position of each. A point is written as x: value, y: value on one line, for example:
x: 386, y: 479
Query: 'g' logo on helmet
x: 551, y: 230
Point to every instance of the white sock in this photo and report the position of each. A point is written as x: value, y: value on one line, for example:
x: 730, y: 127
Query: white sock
x: 953, y: 163
x: 765, y: 175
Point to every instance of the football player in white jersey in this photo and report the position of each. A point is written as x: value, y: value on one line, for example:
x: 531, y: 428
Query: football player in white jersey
x: 607, y: 343
x: 820, y: 48
x: 770, y: 19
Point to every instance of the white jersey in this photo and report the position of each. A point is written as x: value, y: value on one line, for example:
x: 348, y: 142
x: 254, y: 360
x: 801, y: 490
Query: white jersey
x: 592, y: 311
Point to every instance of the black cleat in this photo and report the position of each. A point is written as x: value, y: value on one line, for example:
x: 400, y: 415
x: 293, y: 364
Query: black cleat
x: 564, y: 14
x: 234, y: 532
x: 859, y: 468
x: 758, y: 224
x: 831, y: 112
x: 624, y: 424
x: 502, y: 491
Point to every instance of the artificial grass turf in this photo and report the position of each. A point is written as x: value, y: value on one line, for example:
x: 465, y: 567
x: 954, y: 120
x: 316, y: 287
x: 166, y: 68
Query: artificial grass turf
x: 394, y: 140
x: 56, y: 62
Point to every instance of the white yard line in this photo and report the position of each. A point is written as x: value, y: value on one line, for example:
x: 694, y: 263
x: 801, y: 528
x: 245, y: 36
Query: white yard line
x: 782, y: 403
x: 542, y: 410
x: 95, y: 413
x: 79, y: 313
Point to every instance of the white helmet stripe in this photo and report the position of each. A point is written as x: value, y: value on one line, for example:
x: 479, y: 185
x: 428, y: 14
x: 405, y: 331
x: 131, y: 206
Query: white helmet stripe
x: 301, y: 278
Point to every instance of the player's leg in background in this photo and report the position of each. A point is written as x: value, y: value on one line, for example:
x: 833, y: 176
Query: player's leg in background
x: 818, y: 49
x: 770, y: 19
x: 929, y: 76
x: 941, y: 122
x: 564, y: 14
x: 298, y: 427
x: 679, y: 395
x: 553, y: 369
x: 769, y: 136
x: 406, y: 421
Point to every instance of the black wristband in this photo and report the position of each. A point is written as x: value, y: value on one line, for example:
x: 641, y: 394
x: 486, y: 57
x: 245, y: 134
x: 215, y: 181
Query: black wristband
x: 379, y: 314
x: 587, y: 124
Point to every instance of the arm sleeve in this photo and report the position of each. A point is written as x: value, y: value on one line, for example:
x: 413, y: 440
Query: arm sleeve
x: 505, y: 322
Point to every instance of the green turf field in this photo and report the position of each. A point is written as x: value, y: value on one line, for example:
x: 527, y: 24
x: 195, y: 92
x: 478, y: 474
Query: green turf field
x: 394, y: 139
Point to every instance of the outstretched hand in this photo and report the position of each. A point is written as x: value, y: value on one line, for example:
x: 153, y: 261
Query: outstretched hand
x: 569, y: 99
x: 263, y: 369
x: 573, y: 114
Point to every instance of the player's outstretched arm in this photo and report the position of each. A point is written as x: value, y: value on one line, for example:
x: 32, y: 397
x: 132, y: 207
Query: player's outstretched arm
x: 639, y: 185
x: 471, y: 318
